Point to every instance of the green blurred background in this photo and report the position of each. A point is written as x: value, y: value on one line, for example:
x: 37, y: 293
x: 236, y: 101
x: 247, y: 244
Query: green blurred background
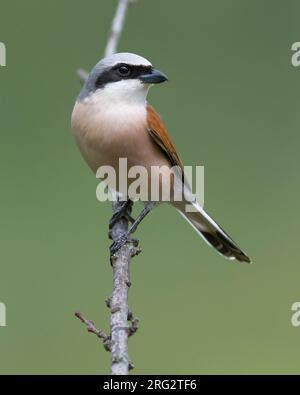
x: 232, y: 105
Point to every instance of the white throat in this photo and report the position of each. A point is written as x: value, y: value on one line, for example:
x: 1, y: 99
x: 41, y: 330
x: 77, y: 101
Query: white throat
x: 118, y: 106
x: 121, y: 93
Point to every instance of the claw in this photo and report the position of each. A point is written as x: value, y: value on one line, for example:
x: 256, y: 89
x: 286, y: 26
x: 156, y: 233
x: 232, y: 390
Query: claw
x: 116, y: 245
x: 122, y: 212
x: 135, y: 242
x: 130, y: 218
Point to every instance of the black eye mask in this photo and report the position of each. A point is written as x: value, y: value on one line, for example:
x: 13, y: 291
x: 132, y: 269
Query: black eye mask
x: 114, y: 75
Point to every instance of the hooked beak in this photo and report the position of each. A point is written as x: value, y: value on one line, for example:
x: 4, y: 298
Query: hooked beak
x: 155, y: 77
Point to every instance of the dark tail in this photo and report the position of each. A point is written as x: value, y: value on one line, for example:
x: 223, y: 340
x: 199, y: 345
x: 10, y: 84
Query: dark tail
x: 212, y: 233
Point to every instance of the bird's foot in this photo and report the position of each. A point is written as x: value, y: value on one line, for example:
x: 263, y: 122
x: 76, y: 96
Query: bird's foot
x: 118, y: 244
x: 122, y: 212
x: 135, y: 242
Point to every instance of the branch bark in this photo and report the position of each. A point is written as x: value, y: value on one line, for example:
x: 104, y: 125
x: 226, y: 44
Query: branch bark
x: 120, y: 331
x: 118, y: 303
x: 119, y: 328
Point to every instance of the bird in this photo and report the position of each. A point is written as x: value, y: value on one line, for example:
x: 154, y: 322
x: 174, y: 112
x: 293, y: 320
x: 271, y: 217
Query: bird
x: 112, y: 119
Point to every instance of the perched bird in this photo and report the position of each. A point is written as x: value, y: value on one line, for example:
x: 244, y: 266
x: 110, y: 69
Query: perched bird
x: 112, y: 119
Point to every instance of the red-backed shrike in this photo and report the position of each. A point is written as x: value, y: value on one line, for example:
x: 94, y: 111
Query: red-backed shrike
x: 112, y: 119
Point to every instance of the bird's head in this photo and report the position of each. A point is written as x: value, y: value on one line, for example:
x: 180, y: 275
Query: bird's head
x: 121, y: 77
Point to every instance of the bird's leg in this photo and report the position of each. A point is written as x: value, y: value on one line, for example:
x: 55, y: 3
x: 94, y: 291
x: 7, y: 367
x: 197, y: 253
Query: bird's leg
x: 146, y: 210
x: 116, y: 245
x: 122, y: 212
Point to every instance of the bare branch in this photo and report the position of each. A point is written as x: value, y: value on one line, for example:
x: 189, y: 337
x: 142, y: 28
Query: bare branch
x: 114, y: 36
x: 92, y: 329
x: 118, y: 303
x: 117, y: 342
x: 121, y: 274
x: 117, y: 27
x: 82, y: 75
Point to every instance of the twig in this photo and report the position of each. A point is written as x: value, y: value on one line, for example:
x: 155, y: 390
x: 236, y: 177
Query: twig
x: 92, y: 329
x: 134, y: 324
x: 114, y: 35
x: 117, y: 27
x: 82, y: 75
x: 117, y: 342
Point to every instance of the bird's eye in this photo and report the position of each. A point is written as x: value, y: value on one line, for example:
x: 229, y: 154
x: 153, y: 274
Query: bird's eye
x: 124, y: 71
